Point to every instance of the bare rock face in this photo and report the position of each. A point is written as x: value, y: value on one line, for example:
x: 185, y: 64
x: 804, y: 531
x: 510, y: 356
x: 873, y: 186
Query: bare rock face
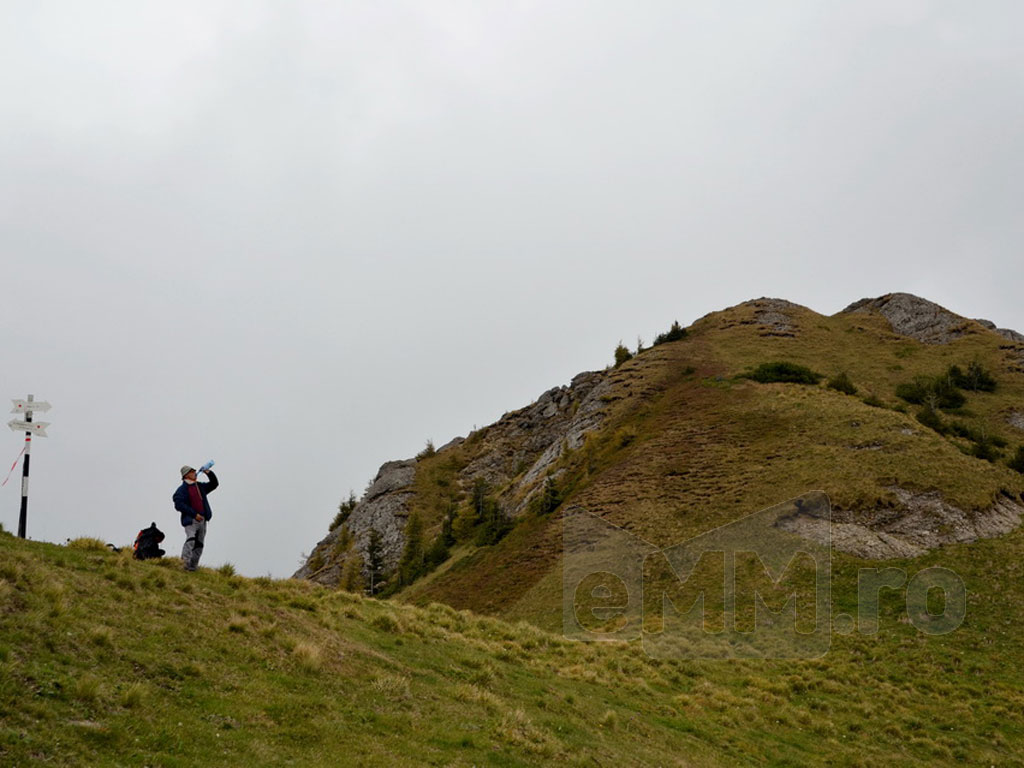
x: 455, y: 442
x: 391, y: 477
x: 913, y: 316
x: 559, y: 413
x: 918, y: 523
x: 1007, y: 333
x: 522, y: 446
x: 774, y: 316
x: 384, y: 507
x: 925, y: 320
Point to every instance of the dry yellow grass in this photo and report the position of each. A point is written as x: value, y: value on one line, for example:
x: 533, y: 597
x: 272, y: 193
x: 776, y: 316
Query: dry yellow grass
x: 688, y: 446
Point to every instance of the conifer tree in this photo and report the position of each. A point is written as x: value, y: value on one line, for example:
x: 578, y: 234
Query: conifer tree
x: 375, y: 559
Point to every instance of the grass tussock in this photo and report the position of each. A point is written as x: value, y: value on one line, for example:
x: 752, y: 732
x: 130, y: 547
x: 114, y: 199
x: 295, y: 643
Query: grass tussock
x: 387, y: 623
x: 102, y: 636
x: 87, y: 688
x: 474, y: 694
x: 518, y: 730
x: 393, y: 687
x: 609, y: 720
x: 89, y: 544
x: 308, y: 656
x: 842, y: 382
x: 134, y: 695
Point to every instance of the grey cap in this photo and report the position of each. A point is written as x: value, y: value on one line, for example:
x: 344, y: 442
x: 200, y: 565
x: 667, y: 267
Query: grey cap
x: 186, y: 469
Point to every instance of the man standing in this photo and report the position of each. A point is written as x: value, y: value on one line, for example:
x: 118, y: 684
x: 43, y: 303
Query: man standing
x: 190, y: 501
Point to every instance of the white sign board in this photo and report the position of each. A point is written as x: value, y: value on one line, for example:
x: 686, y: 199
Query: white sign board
x: 24, y: 406
x: 37, y: 428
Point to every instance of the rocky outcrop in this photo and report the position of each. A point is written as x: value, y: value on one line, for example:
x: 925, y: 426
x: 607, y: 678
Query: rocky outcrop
x: 925, y: 320
x: 384, y: 507
x: 773, y: 315
x: 522, y: 447
x: 1007, y: 333
x: 913, y: 316
x: 917, y: 523
x: 514, y: 454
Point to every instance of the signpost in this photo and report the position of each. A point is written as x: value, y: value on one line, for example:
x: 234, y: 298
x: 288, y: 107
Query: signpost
x: 34, y: 427
x: 30, y: 405
x: 30, y: 428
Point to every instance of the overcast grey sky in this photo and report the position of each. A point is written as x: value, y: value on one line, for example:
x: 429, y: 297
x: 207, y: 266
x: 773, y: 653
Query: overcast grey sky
x: 301, y: 238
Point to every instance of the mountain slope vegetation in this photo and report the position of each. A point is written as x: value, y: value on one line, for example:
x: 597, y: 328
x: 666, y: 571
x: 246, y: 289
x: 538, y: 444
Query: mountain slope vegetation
x: 694, y: 433
x: 109, y: 661
x: 907, y: 416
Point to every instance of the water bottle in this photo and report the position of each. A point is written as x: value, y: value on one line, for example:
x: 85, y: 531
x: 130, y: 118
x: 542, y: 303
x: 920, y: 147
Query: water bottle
x: 206, y: 466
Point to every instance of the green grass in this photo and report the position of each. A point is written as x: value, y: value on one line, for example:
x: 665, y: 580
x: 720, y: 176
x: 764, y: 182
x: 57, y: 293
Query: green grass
x: 688, y: 444
x: 214, y: 669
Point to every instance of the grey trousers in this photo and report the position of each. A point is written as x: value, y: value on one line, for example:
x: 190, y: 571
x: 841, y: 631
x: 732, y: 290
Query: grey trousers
x: 195, y: 535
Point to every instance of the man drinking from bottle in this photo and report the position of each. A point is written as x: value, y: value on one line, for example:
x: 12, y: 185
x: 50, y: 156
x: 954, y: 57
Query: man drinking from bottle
x: 190, y: 501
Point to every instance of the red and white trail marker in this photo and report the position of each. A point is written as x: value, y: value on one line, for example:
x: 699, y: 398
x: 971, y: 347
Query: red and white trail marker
x: 29, y: 427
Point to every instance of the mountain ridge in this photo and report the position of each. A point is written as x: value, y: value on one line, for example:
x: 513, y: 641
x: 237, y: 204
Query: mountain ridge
x: 689, y: 397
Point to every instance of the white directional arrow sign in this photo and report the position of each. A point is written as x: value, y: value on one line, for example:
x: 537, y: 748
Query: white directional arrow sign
x: 25, y: 406
x: 37, y: 428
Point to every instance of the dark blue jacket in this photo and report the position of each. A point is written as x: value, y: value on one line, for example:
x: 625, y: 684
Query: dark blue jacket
x: 183, y: 503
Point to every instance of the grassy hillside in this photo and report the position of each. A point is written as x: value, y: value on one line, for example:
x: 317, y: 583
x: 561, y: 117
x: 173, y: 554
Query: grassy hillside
x: 689, y: 444
x: 107, y: 661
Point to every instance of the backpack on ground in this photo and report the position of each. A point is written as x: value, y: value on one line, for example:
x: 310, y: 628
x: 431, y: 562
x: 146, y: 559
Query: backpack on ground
x: 147, y: 543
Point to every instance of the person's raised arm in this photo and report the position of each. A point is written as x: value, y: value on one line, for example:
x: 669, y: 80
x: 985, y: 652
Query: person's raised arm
x: 211, y: 486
